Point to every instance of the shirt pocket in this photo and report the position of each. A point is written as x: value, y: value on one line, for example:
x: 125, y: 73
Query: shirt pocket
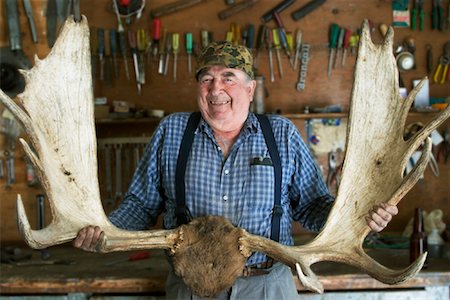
x: 259, y: 193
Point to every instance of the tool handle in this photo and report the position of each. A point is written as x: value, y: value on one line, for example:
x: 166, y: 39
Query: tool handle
x: 189, y: 42
x: 141, y: 44
x: 175, y: 42
x: 132, y: 40
x: 250, y: 41
x: 298, y: 39
x: 174, y: 7
x: 306, y: 9
x: 122, y: 46
x: 269, y: 38
x: 283, y: 38
x: 156, y: 34
x: 413, y: 18
x: 113, y: 41
x: 347, y: 38
x: 261, y: 36
x: 434, y: 16
x: 421, y: 20
x: 232, y: 10
x: 101, y: 41
x: 275, y: 38
x: 205, y: 38
x: 277, y: 9
x: 334, y: 32
x: 341, y: 37
x: 440, y: 19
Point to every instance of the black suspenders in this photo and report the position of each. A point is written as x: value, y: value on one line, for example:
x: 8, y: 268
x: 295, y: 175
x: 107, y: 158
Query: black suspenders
x: 182, y: 211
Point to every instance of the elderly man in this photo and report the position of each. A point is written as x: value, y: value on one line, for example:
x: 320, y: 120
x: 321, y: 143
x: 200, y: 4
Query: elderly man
x: 254, y: 170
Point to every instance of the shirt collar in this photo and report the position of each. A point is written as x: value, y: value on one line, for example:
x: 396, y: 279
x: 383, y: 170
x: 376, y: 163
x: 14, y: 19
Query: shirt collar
x: 251, y: 125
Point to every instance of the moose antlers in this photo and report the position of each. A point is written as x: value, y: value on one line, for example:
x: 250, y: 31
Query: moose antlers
x: 57, y: 114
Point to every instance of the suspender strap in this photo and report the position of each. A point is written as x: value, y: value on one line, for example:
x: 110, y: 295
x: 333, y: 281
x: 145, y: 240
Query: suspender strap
x: 182, y: 212
x: 276, y: 161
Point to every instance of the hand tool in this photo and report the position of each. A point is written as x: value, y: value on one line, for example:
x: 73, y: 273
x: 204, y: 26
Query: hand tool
x: 269, y: 42
x: 282, y: 36
x: 141, y: 44
x: 156, y: 36
x: 205, y: 38
x: 443, y: 148
x: 306, y: 9
x: 123, y: 51
x: 168, y: 50
x: 260, y: 43
x: 174, y: 7
x: 298, y: 44
x: 51, y: 15
x: 250, y: 37
x: 101, y: 51
x: 417, y: 11
x: 113, y: 50
x: 437, y: 15
x: 229, y: 36
x: 234, y: 9
x: 277, y: 9
x: 175, y: 45
x: 29, y: 12
x: 276, y: 44
x: 189, y: 50
x: 108, y: 60
x: 301, y: 83
x: 118, y: 161
x: 444, y: 61
x: 429, y: 49
x: 235, y: 29
x: 345, y: 45
x: 134, y: 256
x: 161, y: 50
x: 132, y: 43
x: 334, y: 31
x: 339, y: 44
x: 10, y: 172
x: 108, y: 175
x: 31, y: 176
x: 40, y: 224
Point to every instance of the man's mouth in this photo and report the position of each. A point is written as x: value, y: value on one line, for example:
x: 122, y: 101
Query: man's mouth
x: 218, y: 101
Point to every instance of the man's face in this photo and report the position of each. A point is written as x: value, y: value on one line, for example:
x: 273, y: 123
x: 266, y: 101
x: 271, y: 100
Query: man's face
x: 224, y: 97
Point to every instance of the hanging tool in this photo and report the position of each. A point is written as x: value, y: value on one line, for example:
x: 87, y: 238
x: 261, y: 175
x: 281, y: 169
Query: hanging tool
x: 306, y: 9
x: 132, y: 43
x: 123, y: 52
x: 339, y: 45
x: 236, y: 8
x: 101, y: 51
x: 277, y: 9
x: 353, y: 43
x: 174, y: 7
x: 52, y: 20
x: 298, y: 44
x: 205, y: 38
x: 30, y: 17
x: 429, y: 49
x: 175, y: 45
x: 282, y: 36
x: 269, y: 43
x: 156, y: 36
x: 276, y: 44
x: 113, y: 50
x: 444, y: 61
x: 168, y: 52
x: 162, y: 45
x: 40, y: 220
x: 417, y: 11
x: 189, y: 50
x: 345, y: 46
x: 141, y: 44
x: 437, y: 15
x: 250, y: 37
x: 260, y: 43
x: 334, y: 32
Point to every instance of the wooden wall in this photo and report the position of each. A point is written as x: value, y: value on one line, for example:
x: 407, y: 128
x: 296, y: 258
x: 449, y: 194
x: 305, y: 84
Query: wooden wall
x: 161, y: 92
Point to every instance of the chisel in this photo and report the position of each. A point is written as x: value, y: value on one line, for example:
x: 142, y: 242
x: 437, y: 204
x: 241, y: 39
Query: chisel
x: 29, y: 12
x: 306, y: 9
x: 277, y: 9
x: 132, y: 42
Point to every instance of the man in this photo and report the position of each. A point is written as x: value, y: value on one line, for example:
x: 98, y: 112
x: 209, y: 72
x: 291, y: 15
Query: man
x: 230, y: 172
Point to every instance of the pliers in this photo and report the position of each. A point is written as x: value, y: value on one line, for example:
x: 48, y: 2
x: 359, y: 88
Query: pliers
x: 418, y: 10
x: 437, y: 15
x: 444, y: 61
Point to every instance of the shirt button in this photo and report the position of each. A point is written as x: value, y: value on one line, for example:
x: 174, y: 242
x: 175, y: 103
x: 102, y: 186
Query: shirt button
x: 227, y: 172
x: 225, y: 198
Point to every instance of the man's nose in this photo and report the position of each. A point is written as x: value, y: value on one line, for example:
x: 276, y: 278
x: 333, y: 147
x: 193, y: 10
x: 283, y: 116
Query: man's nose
x: 216, y: 86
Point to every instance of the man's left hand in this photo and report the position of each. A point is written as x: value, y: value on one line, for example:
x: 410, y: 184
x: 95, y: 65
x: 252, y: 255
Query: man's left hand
x: 380, y: 215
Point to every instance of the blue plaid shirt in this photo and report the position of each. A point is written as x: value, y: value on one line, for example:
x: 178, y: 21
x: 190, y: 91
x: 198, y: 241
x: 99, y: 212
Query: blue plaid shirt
x: 232, y: 187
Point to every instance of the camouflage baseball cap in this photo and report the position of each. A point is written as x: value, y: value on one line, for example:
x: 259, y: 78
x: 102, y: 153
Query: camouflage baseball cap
x: 225, y: 54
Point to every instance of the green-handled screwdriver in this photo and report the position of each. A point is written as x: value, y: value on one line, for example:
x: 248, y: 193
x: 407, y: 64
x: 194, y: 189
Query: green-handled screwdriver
x: 189, y: 50
x: 334, y: 32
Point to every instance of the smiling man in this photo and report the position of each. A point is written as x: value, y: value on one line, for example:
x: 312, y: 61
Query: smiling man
x: 254, y: 170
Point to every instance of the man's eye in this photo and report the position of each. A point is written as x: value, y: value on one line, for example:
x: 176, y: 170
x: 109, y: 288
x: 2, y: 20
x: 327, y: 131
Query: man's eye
x: 205, y: 80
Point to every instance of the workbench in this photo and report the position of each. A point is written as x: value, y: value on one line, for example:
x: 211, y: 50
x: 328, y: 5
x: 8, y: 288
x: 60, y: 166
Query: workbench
x: 69, y: 271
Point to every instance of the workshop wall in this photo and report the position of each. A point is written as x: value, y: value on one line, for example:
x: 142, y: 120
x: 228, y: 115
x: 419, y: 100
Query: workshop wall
x: 162, y: 92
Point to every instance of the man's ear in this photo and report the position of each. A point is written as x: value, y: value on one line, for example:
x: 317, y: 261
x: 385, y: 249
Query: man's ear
x: 251, y: 89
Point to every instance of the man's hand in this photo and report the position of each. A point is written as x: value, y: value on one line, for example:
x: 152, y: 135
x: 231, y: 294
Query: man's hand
x: 88, y: 238
x: 380, y: 215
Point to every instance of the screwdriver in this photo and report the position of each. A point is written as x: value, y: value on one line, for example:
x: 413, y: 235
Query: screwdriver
x: 189, y: 50
x: 345, y: 45
x: 101, y: 51
x: 334, y: 32
x: 175, y: 44
x: 141, y: 46
x: 156, y: 36
x: 339, y: 44
x: 162, y: 45
x: 250, y: 37
x: 113, y: 45
x: 168, y: 50
x: 132, y: 42
x: 282, y: 36
x: 260, y: 43
x: 123, y: 51
x: 276, y: 44
x: 269, y: 41
x: 298, y: 47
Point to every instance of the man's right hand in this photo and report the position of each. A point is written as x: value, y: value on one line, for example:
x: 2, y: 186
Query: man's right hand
x: 88, y: 238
